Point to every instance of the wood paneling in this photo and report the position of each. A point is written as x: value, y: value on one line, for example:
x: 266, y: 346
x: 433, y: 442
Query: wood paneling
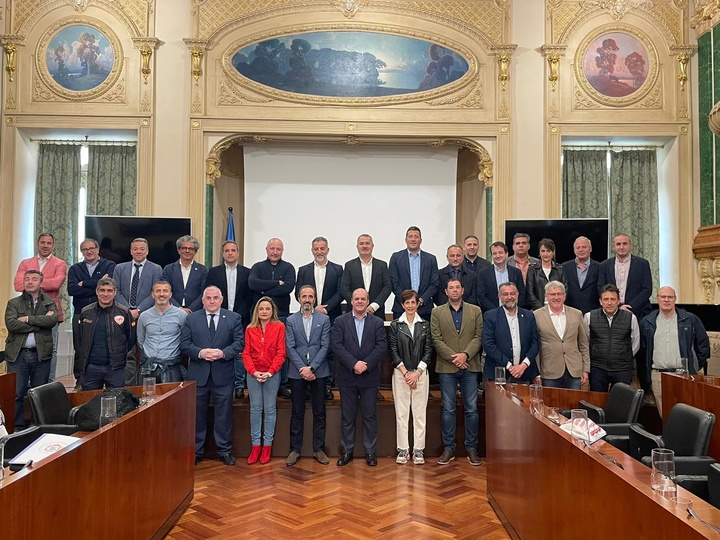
x: 7, y: 399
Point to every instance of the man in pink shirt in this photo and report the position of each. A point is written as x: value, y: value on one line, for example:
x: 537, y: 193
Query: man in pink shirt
x: 54, y: 272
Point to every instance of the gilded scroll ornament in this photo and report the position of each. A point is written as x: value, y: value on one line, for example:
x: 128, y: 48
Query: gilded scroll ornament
x: 503, y: 54
x: 10, y: 50
x: 197, y: 52
x: 145, y: 54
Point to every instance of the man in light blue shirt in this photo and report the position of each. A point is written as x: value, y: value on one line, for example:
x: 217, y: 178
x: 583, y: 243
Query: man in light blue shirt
x: 158, y: 335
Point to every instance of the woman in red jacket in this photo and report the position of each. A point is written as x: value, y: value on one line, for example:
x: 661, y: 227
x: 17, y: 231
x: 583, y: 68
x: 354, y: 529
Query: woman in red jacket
x: 263, y: 357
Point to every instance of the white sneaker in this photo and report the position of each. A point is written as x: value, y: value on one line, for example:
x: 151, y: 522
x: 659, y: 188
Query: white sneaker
x: 417, y: 457
x: 402, y: 456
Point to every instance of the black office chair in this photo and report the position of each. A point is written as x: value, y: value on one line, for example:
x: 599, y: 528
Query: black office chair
x: 620, y: 412
x: 714, y: 485
x: 687, y: 433
x: 51, y: 406
x: 20, y: 440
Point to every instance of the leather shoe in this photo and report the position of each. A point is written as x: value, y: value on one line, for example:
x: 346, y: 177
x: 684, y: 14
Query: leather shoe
x: 321, y: 457
x: 228, y: 459
x: 292, y: 458
x: 371, y: 460
x: 328, y: 394
x: 198, y: 459
x: 239, y: 393
x: 344, y: 459
x: 284, y: 392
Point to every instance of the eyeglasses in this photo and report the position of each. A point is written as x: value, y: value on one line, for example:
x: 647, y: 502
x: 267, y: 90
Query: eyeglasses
x: 187, y: 249
x: 88, y: 249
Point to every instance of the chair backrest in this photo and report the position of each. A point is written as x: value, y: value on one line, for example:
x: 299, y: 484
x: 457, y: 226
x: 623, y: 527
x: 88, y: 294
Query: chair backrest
x: 49, y: 403
x: 19, y: 441
x: 623, y: 404
x: 687, y: 430
x: 714, y: 485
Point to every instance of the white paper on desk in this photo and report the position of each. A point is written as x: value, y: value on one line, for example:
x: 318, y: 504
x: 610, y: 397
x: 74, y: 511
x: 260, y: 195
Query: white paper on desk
x: 46, y: 445
x: 596, y: 432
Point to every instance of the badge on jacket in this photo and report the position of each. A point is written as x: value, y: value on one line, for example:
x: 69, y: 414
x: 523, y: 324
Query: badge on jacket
x: 119, y: 319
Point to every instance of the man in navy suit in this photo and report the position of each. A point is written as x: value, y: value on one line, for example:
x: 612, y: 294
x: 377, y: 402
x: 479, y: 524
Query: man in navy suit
x: 325, y: 277
x: 582, y: 277
x: 414, y: 269
x: 307, y: 339
x: 185, y: 276
x: 498, y: 343
x: 135, y: 280
x: 359, y: 344
x: 212, y: 338
x: 456, y: 270
x: 491, y: 277
x: 232, y: 280
x: 631, y: 274
x: 367, y: 272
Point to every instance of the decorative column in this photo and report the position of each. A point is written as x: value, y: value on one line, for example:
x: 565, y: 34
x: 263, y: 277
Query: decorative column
x: 197, y: 49
x: 503, y: 53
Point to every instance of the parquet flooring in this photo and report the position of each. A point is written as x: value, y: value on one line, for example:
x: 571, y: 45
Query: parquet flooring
x: 309, y: 500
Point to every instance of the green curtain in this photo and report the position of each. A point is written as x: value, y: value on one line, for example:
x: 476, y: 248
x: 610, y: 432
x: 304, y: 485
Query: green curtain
x: 56, y: 200
x: 634, y: 203
x: 112, y: 180
x: 585, y: 184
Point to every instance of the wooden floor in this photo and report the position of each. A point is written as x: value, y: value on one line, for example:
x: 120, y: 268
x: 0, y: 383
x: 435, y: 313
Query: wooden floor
x: 309, y: 500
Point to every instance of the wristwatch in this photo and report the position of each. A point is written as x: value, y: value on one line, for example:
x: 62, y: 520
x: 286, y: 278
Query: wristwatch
x: 312, y: 369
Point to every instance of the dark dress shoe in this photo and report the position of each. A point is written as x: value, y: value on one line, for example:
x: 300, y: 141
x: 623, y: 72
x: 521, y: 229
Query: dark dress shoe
x: 198, y: 459
x: 371, y: 460
x: 284, y: 392
x: 228, y: 459
x: 328, y: 394
x: 239, y: 393
x: 344, y: 459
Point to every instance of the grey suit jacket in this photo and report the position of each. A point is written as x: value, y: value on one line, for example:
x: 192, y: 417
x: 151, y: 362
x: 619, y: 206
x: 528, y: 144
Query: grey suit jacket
x: 556, y: 353
x: 448, y: 341
x: 302, y: 352
x: 151, y: 273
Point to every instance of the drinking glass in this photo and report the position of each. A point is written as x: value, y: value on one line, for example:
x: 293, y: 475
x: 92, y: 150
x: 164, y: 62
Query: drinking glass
x: 500, y: 376
x: 537, y: 405
x: 662, y: 478
x: 108, y: 410
x: 536, y: 391
x: 683, y: 502
x: 148, y: 390
x: 683, y: 369
x: 552, y: 413
x: 579, y: 424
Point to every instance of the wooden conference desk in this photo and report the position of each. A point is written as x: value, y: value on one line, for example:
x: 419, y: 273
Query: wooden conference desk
x: 129, y: 480
x: 542, y: 483
x: 693, y: 391
x: 7, y: 399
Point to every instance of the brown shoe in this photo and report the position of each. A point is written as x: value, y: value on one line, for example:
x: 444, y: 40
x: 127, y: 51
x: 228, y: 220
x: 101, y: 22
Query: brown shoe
x: 473, y: 457
x: 321, y: 457
x: 446, y: 457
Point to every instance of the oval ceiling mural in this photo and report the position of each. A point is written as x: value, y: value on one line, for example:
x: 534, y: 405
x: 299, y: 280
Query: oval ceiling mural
x: 351, y: 64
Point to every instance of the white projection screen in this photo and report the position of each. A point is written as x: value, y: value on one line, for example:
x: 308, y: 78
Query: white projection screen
x: 299, y: 192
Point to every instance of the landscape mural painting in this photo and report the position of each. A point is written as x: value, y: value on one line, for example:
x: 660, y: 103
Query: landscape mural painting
x: 349, y: 64
x: 616, y: 64
x: 79, y: 58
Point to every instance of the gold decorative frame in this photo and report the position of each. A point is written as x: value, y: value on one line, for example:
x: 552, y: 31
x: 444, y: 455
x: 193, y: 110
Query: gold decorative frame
x: 70, y: 95
x: 640, y: 93
x: 466, y: 81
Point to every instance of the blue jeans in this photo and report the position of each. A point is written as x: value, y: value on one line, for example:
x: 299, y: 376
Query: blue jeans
x: 30, y: 371
x: 263, y: 406
x: 566, y: 381
x: 240, y: 373
x: 469, y: 388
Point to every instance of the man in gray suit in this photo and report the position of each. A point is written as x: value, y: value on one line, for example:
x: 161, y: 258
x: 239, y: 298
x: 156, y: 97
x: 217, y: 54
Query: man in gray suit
x: 367, y: 272
x: 307, y: 340
x: 135, y: 280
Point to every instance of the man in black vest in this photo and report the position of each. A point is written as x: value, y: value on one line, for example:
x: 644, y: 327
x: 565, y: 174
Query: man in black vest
x: 614, y: 340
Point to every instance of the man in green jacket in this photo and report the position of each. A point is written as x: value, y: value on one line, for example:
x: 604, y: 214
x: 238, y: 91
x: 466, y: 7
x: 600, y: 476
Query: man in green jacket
x: 29, y: 319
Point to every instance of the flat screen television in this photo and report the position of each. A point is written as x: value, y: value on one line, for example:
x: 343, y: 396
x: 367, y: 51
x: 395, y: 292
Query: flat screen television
x: 116, y: 232
x: 563, y: 232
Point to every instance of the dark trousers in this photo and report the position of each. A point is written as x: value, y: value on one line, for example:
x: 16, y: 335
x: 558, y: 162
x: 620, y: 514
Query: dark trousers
x: 96, y: 377
x: 222, y: 397
x: 31, y: 372
x: 642, y: 372
x: 364, y: 398
x: 298, y: 387
x: 601, y: 380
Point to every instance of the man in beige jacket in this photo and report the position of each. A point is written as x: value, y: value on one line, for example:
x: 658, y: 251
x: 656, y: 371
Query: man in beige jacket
x: 564, y: 359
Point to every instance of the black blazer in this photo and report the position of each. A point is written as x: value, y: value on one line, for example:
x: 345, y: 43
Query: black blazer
x: 380, y: 288
x: 585, y: 298
x: 487, y: 289
x: 243, y: 295
x: 536, y: 281
x: 468, y: 278
x: 639, y: 283
x: 331, y: 290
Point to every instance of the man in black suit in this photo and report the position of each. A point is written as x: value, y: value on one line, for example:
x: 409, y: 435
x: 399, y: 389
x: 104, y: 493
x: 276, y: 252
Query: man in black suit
x: 185, y: 276
x: 582, y: 277
x: 490, y: 278
x: 473, y: 261
x: 232, y: 280
x: 414, y: 269
x: 456, y: 270
x: 213, y: 338
x: 632, y: 276
x: 358, y: 342
x: 367, y: 272
x: 325, y: 277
